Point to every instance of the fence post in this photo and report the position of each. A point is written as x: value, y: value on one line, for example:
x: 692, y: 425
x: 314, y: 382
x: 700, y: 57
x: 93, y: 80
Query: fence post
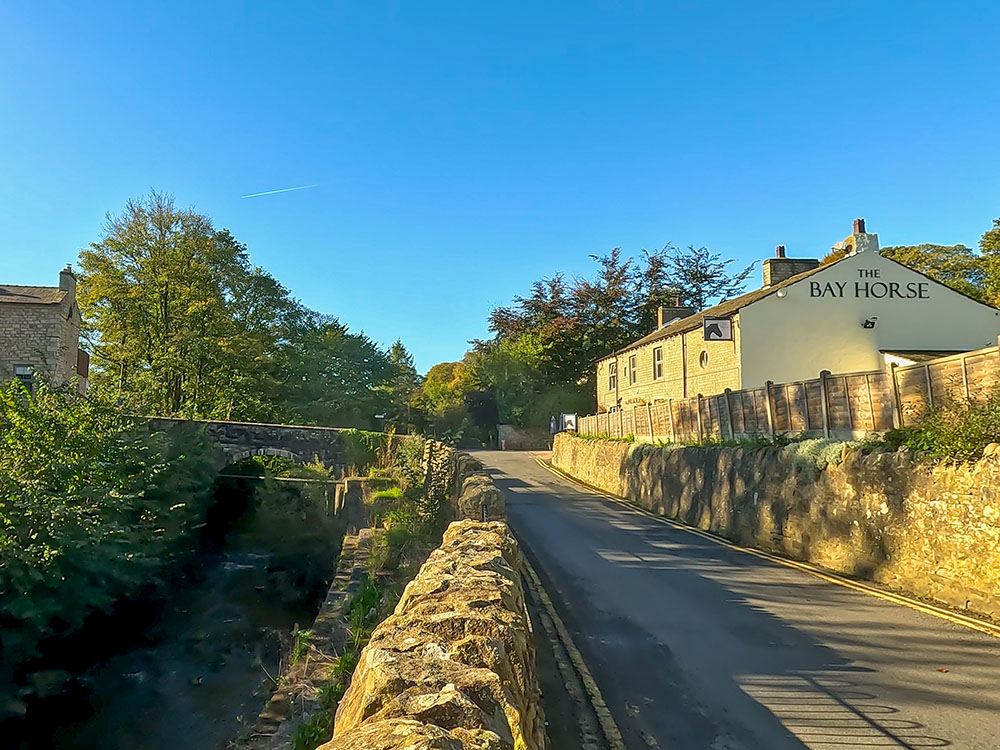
x: 701, y: 434
x: 670, y: 416
x: 649, y: 421
x: 621, y: 422
x: 965, y: 379
x: 897, y: 406
x: 930, y: 386
x: 871, y: 402
x: 729, y: 413
x: 769, y: 407
x: 826, y: 409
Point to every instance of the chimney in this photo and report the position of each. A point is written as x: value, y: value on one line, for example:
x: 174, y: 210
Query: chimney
x: 860, y: 241
x: 67, y: 281
x: 665, y: 315
x: 779, y: 268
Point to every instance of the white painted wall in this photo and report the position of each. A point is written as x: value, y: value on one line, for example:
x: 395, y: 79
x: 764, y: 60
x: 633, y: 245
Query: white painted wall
x: 795, y: 336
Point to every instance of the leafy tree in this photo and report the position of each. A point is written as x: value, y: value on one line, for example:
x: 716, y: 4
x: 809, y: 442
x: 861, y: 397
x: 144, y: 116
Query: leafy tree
x: 989, y: 244
x: 90, y: 511
x: 701, y: 278
x: 332, y: 376
x: 956, y: 266
x: 179, y: 321
x: 545, y: 345
x: 402, y: 384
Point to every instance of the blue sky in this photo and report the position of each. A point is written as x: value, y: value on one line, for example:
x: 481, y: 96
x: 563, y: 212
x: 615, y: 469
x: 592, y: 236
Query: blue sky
x: 462, y: 150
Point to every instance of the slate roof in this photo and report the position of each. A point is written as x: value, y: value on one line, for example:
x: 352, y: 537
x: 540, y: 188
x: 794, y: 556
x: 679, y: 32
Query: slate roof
x: 31, y: 295
x: 721, y: 310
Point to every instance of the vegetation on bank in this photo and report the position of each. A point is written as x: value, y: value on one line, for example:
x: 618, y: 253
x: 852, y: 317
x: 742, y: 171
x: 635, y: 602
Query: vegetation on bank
x: 406, y: 527
x: 91, y: 511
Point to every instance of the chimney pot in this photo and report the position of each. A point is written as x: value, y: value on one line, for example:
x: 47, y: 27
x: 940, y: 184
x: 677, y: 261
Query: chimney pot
x: 67, y: 280
x: 859, y: 226
x: 779, y: 251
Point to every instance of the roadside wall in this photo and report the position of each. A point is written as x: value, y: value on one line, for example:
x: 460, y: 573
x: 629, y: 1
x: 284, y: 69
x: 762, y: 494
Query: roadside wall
x: 454, y: 665
x: 929, y: 530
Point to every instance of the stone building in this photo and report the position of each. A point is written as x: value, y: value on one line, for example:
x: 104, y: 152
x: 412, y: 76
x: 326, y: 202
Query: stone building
x: 858, y: 313
x: 40, y: 333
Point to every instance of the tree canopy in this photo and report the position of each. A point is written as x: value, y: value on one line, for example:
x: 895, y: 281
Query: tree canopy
x: 541, y: 356
x: 180, y: 322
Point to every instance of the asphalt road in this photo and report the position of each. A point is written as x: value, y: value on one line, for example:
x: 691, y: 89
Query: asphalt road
x: 696, y: 645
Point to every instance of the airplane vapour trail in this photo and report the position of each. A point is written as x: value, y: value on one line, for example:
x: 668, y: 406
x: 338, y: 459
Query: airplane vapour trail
x: 282, y: 190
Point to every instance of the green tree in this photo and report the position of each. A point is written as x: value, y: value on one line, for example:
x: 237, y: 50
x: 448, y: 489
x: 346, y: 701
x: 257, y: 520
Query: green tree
x: 333, y: 377
x: 90, y: 511
x: 179, y: 321
x: 700, y: 277
x: 989, y: 244
x: 403, y: 382
x: 956, y: 266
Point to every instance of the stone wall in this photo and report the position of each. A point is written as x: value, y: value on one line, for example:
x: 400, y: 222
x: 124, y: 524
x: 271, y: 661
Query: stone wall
x: 930, y: 530
x: 454, y: 665
x: 684, y: 373
x: 44, y: 336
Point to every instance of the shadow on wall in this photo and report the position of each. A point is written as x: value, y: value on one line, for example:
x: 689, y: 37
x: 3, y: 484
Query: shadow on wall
x: 883, y: 516
x: 812, y: 691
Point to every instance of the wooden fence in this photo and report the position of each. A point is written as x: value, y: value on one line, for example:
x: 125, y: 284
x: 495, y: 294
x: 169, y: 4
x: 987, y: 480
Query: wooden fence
x: 844, y: 405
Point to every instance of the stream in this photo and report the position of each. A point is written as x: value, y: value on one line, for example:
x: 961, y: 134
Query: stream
x: 196, y: 668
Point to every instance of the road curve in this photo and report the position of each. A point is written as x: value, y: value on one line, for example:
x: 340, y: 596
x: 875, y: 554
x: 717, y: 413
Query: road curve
x: 696, y: 645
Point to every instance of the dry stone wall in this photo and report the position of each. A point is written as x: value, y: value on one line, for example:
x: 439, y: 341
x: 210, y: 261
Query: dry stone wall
x: 930, y: 530
x: 454, y: 666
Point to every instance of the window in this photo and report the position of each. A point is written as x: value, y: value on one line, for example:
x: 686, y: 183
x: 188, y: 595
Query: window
x: 657, y: 363
x: 631, y: 370
x: 25, y: 374
x: 613, y: 376
x: 703, y: 359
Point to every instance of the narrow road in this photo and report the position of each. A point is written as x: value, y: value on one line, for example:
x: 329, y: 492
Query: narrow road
x: 696, y: 645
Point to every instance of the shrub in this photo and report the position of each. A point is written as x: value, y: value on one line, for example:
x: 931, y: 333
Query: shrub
x: 90, y: 511
x: 955, y: 432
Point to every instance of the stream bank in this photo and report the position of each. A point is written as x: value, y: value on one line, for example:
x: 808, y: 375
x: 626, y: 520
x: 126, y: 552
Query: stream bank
x: 190, y: 663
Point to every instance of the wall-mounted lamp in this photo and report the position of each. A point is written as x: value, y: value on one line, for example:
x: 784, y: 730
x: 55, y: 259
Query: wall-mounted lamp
x: 869, y: 322
x: 781, y: 293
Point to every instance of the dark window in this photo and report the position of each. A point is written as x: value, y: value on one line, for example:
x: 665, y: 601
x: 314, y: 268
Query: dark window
x: 657, y: 363
x: 25, y: 374
x: 631, y: 370
x: 613, y: 376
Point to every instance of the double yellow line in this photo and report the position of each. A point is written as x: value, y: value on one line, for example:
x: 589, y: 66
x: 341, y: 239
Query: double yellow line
x: 930, y: 609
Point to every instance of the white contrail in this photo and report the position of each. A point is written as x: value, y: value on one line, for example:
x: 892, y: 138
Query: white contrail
x: 283, y: 190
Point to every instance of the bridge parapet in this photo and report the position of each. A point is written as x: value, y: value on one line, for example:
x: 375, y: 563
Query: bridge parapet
x: 241, y: 440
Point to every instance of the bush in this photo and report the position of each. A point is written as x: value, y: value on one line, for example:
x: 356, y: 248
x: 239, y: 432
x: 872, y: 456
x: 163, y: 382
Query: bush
x: 957, y: 432
x: 90, y: 511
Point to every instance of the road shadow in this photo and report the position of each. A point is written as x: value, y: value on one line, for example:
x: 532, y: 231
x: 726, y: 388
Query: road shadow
x: 657, y: 614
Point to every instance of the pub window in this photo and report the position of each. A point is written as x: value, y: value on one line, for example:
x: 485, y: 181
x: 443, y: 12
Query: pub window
x: 613, y: 376
x: 25, y: 374
x: 631, y: 370
x: 657, y: 363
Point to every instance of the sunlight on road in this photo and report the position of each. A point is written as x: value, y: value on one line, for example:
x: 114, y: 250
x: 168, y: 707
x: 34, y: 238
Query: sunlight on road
x: 831, y: 712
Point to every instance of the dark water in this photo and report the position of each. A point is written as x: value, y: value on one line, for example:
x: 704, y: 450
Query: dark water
x: 192, y: 670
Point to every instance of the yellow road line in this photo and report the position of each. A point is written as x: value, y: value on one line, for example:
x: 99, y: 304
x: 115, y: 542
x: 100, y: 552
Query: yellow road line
x: 940, y: 612
x: 608, y: 726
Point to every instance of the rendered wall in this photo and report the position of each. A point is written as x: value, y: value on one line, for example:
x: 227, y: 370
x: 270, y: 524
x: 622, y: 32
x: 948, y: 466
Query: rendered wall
x: 794, y: 337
